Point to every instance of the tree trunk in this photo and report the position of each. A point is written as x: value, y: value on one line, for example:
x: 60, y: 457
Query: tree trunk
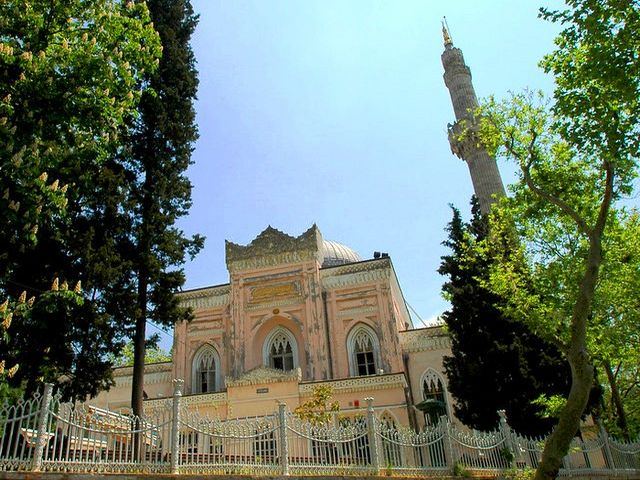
x: 617, y: 401
x: 559, y: 442
x: 139, y: 347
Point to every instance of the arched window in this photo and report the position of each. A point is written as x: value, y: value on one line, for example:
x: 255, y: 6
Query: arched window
x: 205, y: 371
x: 364, y: 351
x: 280, y: 350
x: 434, y: 397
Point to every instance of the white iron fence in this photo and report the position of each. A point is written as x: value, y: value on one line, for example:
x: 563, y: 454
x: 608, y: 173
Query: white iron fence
x: 43, y: 434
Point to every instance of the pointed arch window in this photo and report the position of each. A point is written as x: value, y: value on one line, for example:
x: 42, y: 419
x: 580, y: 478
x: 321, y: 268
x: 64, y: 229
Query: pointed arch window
x: 205, y: 370
x: 364, y: 351
x: 280, y: 350
x: 434, y: 404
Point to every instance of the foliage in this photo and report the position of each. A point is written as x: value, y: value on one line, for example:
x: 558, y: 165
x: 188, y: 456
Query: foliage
x: 153, y: 354
x: 318, y: 410
x: 496, y: 363
x: 68, y: 75
x: 159, y: 145
x: 577, y: 155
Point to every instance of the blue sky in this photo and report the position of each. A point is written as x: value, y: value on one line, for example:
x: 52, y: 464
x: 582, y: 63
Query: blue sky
x: 335, y: 112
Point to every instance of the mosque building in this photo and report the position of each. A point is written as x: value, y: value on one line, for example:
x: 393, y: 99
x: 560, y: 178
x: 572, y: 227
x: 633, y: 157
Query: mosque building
x: 300, y: 312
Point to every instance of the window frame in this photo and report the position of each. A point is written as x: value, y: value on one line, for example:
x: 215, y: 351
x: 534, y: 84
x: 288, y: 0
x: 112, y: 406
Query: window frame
x: 196, y: 384
x: 268, y: 343
x: 352, y: 341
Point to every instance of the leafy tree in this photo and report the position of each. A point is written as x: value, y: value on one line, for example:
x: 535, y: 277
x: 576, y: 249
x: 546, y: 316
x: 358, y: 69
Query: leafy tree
x: 318, y: 410
x: 496, y: 363
x: 68, y: 76
x: 160, y: 143
x: 577, y: 159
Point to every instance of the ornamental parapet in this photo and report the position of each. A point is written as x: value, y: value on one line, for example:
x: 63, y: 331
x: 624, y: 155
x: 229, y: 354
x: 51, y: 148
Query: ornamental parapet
x: 356, y: 273
x: 425, y: 339
x: 273, y: 247
x: 357, y: 384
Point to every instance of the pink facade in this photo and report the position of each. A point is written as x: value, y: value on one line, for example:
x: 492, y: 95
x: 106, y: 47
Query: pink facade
x: 300, y: 311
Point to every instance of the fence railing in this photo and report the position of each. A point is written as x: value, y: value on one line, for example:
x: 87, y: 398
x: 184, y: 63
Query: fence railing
x: 42, y: 433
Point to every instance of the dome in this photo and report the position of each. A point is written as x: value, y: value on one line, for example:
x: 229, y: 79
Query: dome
x: 335, y: 253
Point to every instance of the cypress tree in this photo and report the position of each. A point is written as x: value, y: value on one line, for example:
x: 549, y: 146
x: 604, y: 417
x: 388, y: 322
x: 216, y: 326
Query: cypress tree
x: 161, y: 142
x: 496, y: 363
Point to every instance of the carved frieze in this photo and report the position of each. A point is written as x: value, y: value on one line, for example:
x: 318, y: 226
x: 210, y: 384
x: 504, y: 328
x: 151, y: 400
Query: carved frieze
x: 261, y: 375
x: 212, y: 297
x: 357, y: 278
x: 358, y: 384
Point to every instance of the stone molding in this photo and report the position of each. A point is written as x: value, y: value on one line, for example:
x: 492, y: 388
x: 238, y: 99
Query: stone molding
x: 421, y: 340
x: 357, y: 384
x: 263, y: 375
x: 206, y: 297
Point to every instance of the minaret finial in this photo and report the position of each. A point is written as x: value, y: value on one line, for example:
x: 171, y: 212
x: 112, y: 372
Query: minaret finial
x: 445, y: 33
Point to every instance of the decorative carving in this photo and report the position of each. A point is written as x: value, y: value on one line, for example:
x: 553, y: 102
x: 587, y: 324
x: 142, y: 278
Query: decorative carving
x: 262, y: 375
x: 205, y: 297
x: 349, y: 279
x: 433, y: 338
x: 349, y: 312
x: 204, y: 332
x: 358, y: 384
x: 275, y: 291
x: 272, y: 247
x: 209, y: 399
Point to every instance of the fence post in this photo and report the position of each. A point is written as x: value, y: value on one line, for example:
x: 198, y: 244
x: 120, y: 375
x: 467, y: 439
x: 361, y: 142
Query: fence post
x: 373, y: 438
x: 446, y: 440
x: 507, y: 433
x: 608, y: 457
x: 284, y: 443
x: 175, y: 425
x: 41, y: 432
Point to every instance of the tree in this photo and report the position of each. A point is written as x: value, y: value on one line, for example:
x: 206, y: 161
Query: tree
x: 318, y: 410
x: 577, y: 157
x: 68, y: 75
x: 496, y: 363
x: 159, y: 150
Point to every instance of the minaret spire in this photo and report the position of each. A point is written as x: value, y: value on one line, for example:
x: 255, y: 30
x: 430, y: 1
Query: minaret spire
x: 487, y: 183
x: 445, y: 34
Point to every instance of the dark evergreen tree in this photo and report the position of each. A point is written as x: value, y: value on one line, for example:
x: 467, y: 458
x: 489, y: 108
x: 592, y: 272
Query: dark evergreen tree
x: 161, y: 142
x: 496, y: 364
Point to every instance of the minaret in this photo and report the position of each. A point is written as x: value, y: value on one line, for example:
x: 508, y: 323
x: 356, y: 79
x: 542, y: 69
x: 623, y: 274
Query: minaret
x: 484, y: 170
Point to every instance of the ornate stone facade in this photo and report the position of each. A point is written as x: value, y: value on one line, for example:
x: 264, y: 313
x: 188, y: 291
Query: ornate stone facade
x: 298, y: 312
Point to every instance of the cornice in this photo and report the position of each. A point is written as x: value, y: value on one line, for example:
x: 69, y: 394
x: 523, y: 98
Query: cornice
x: 424, y: 340
x: 262, y: 375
